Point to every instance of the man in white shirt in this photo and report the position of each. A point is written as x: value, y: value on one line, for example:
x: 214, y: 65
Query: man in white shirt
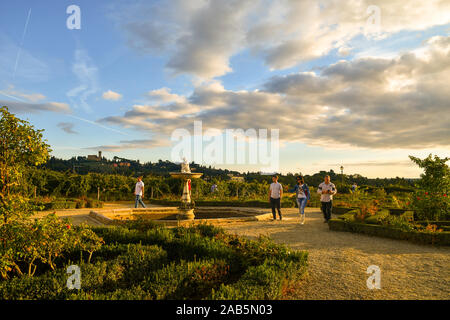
x: 139, y: 193
x: 326, y: 190
x: 275, y: 194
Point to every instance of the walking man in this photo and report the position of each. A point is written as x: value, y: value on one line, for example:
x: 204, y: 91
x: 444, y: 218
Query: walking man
x: 139, y: 193
x: 275, y: 194
x: 326, y: 190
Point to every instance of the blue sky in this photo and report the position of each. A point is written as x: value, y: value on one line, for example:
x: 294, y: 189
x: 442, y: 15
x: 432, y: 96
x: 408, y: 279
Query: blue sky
x: 138, y: 70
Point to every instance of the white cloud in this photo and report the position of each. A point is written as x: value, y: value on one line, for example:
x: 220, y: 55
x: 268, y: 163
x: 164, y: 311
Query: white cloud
x: 199, y: 37
x: 364, y: 103
x: 131, y: 144
x: 26, y: 107
x: 111, y: 95
x: 11, y: 92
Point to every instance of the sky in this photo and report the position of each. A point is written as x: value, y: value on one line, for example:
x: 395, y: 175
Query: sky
x: 359, y: 84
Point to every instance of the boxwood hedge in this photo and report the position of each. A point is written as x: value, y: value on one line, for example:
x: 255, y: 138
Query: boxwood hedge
x: 148, y: 261
x: 434, y: 238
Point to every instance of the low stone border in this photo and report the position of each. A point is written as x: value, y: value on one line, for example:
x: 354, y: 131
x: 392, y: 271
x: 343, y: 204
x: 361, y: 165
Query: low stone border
x: 121, y: 215
x: 438, y: 238
x: 101, y: 218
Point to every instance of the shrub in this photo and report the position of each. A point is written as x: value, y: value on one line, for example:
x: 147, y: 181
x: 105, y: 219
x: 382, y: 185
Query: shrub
x: 161, y: 263
x: 378, y: 217
x: 393, y: 232
x: 87, y: 240
x: 430, y: 201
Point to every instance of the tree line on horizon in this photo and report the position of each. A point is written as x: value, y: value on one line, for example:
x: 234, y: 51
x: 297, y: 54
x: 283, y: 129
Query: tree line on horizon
x: 83, y: 166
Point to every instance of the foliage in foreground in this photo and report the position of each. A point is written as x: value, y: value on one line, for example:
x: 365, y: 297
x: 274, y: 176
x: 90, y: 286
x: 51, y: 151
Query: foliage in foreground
x: 145, y: 261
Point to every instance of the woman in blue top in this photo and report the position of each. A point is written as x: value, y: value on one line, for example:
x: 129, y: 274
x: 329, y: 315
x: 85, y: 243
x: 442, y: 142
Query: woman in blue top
x: 302, y: 195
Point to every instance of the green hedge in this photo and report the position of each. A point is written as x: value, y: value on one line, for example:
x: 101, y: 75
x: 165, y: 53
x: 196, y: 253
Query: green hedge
x: 438, y: 238
x: 378, y: 217
x: 148, y: 261
x: 342, y: 210
x: 70, y: 203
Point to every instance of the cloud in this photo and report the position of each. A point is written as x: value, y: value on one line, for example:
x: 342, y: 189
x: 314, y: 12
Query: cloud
x: 344, y: 51
x: 131, y: 144
x: 369, y: 102
x: 12, y: 93
x: 28, y: 102
x: 67, y: 127
x: 164, y: 96
x: 378, y: 163
x: 26, y: 107
x: 111, y: 95
x: 87, y: 74
x: 200, y: 37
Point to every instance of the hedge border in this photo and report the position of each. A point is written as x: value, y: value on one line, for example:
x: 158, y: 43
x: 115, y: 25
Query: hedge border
x: 440, y: 239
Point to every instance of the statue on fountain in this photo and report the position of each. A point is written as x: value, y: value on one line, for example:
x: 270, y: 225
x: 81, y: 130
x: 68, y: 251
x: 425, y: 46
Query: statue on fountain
x: 185, y: 166
x: 186, y: 208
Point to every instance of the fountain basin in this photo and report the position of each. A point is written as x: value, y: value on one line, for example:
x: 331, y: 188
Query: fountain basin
x: 186, y: 175
x: 170, y: 215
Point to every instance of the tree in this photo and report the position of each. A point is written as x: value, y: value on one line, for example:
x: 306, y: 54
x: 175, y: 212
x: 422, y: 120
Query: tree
x: 430, y: 200
x: 20, y: 146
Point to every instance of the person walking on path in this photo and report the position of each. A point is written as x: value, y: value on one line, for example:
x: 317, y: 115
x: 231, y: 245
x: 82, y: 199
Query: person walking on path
x: 139, y: 193
x: 302, y: 195
x: 275, y: 194
x: 326, y: 190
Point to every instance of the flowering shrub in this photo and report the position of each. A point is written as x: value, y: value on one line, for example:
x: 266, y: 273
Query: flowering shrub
x: 430, y: 201
x: 431, y: 206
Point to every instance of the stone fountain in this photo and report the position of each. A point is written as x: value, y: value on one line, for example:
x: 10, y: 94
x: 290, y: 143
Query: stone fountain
x: 186, y: 209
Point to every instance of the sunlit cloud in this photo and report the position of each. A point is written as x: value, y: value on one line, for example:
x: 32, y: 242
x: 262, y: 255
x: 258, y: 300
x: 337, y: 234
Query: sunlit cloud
x: 111, y: 95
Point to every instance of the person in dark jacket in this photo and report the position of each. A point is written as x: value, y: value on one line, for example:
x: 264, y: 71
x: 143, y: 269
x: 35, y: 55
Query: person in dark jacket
x: 302, y: 195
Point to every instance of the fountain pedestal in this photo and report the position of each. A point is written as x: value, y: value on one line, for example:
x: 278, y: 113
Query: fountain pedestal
x: 186, y: 208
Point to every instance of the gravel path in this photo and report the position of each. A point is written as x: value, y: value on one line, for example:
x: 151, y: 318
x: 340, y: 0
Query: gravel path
x: 338, y: 261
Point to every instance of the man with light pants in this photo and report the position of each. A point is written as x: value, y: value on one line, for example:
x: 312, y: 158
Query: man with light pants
x: 326, y: 190
x: 139, y: 193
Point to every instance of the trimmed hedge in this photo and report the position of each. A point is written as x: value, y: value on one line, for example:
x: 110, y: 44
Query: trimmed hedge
x: 149, y: 261
x: 342, y: 210
x: 437, y: 238
x: 378, y: 217
x: 59, y: 204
